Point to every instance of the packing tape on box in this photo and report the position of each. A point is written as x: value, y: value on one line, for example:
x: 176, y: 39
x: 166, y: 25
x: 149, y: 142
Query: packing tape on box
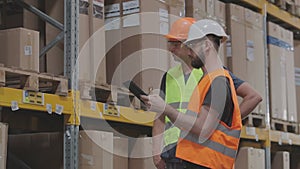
x: 280, y: 43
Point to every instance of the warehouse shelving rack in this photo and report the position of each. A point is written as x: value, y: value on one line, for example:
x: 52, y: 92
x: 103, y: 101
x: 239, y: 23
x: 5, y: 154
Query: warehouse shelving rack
x: 74, y: 108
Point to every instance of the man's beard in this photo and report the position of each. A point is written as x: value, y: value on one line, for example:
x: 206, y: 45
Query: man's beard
x: 198, y: 62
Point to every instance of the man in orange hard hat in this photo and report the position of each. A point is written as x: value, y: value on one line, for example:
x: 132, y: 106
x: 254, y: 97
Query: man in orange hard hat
x: 177, y: 86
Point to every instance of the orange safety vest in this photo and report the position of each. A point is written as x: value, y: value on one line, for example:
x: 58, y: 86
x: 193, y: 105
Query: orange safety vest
x: 220, y: 149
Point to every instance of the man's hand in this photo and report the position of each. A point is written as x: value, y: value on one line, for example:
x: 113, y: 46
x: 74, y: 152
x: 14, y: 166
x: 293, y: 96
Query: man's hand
x: 154, y: 103
x: 159, y: 163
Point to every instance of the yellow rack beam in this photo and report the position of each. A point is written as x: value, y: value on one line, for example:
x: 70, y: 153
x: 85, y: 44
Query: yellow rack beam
x: 115, y: 113
x: 284, y: 16
x: 255, y: 3
x: 254, y: 133
x: 285, y: 138
x: 11, y: 95
x: 275, y: 11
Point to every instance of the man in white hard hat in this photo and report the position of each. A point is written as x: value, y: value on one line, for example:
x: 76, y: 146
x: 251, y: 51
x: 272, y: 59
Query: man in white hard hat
x: 210, y: 128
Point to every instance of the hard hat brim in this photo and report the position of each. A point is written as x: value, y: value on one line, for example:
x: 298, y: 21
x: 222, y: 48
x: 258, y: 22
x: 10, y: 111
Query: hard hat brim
x: 173, y: 38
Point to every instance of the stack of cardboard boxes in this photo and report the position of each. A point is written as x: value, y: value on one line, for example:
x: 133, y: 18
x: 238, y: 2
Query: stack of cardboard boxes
x: 245, y: 48
x: 95, y: 150
x: 101, y: 150
x: 211, y: 9
x: 297, y: 75
x: 91, y: 59
x: 282, y: 73
x: 20, y: 38
x: 38, y: 150
x: 281, y: 160
x: 20, y: 48
x: 135, y: 46
x: 250, y: 158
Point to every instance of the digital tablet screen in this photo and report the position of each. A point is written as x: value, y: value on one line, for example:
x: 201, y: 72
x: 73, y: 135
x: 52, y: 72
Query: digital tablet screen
x: 133, y: 88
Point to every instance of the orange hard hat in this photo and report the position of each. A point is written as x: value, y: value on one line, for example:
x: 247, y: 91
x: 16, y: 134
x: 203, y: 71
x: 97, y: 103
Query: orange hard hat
x: 180, y: 29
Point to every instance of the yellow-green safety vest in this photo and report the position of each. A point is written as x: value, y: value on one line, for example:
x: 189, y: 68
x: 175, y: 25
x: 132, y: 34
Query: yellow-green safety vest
x: 178, y: 94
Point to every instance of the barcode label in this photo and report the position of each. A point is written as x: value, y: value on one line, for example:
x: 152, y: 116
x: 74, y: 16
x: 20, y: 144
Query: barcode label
x: 250, y: 131
x: 14, y: 106
x: 93, y: 106
x: 59, y: 109
x: 49, y: 108
x: 27, y: 50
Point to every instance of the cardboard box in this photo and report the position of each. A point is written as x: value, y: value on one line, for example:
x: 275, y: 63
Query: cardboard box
x: 92, y: 64
x: 283, y: 103
x: 290, y: 76
x: 255, y: 56
x: 281, y: 160
x: 95, y: 150
x: 196, y: 9
x: 250, y: 158
x: 3, y: 144
x: 176, y: 10
x: 220, y: 12
x: 220, y: 16
x: 137, y: 42
x: 278, y: 92
x: 14, y: 16
x: 297, y: 65
x: 20, y: 48
x: 120, y: 153
x: 236, y: 44
x: 55, y: 56
x: 39, y: 150
x: 92, y: 58
x: 140, y: 153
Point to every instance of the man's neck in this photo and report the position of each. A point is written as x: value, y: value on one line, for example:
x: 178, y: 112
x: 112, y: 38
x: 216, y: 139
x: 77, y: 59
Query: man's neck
x: 186, y: 69
x: 212, y: 63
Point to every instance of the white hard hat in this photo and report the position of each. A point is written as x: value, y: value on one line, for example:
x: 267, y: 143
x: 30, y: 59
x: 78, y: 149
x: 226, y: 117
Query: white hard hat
x: 205, y: 27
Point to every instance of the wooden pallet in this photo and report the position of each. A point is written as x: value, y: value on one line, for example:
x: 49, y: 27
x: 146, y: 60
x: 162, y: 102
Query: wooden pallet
x: 280, y: 3
x: 280, y: 125
x: 255, y: 120
x: 290, y: 7
x: 33, y: 81
x: 108, y: 94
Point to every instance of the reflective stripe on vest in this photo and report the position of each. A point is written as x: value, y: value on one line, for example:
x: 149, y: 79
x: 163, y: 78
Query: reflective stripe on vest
x: 212, y: 144
x: 178, y: 94
x: 219, y: 150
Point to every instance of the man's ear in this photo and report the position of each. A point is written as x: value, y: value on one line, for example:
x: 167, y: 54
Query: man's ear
x: 208, y: 45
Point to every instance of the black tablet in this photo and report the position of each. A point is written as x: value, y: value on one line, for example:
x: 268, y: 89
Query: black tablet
x: 133, y: 88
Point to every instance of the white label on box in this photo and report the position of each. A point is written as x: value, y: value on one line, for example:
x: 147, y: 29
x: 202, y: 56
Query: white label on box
x: 93, y: 106
x: 164, y: 21
x: 59, y: 109
x: 250, y: 50
x: 112, y: 23
x: 131, y: 7
x: 284, y: 136
x: 27, y: 50
x: 228, y: 49
x: 14, y: 106
x: 163, y: 13
x: 250, y: 131
x: 49, y: 108
x: 164, y: 27
x: 131, y: 20
x: 88, y: 158
x: 112, y: 10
